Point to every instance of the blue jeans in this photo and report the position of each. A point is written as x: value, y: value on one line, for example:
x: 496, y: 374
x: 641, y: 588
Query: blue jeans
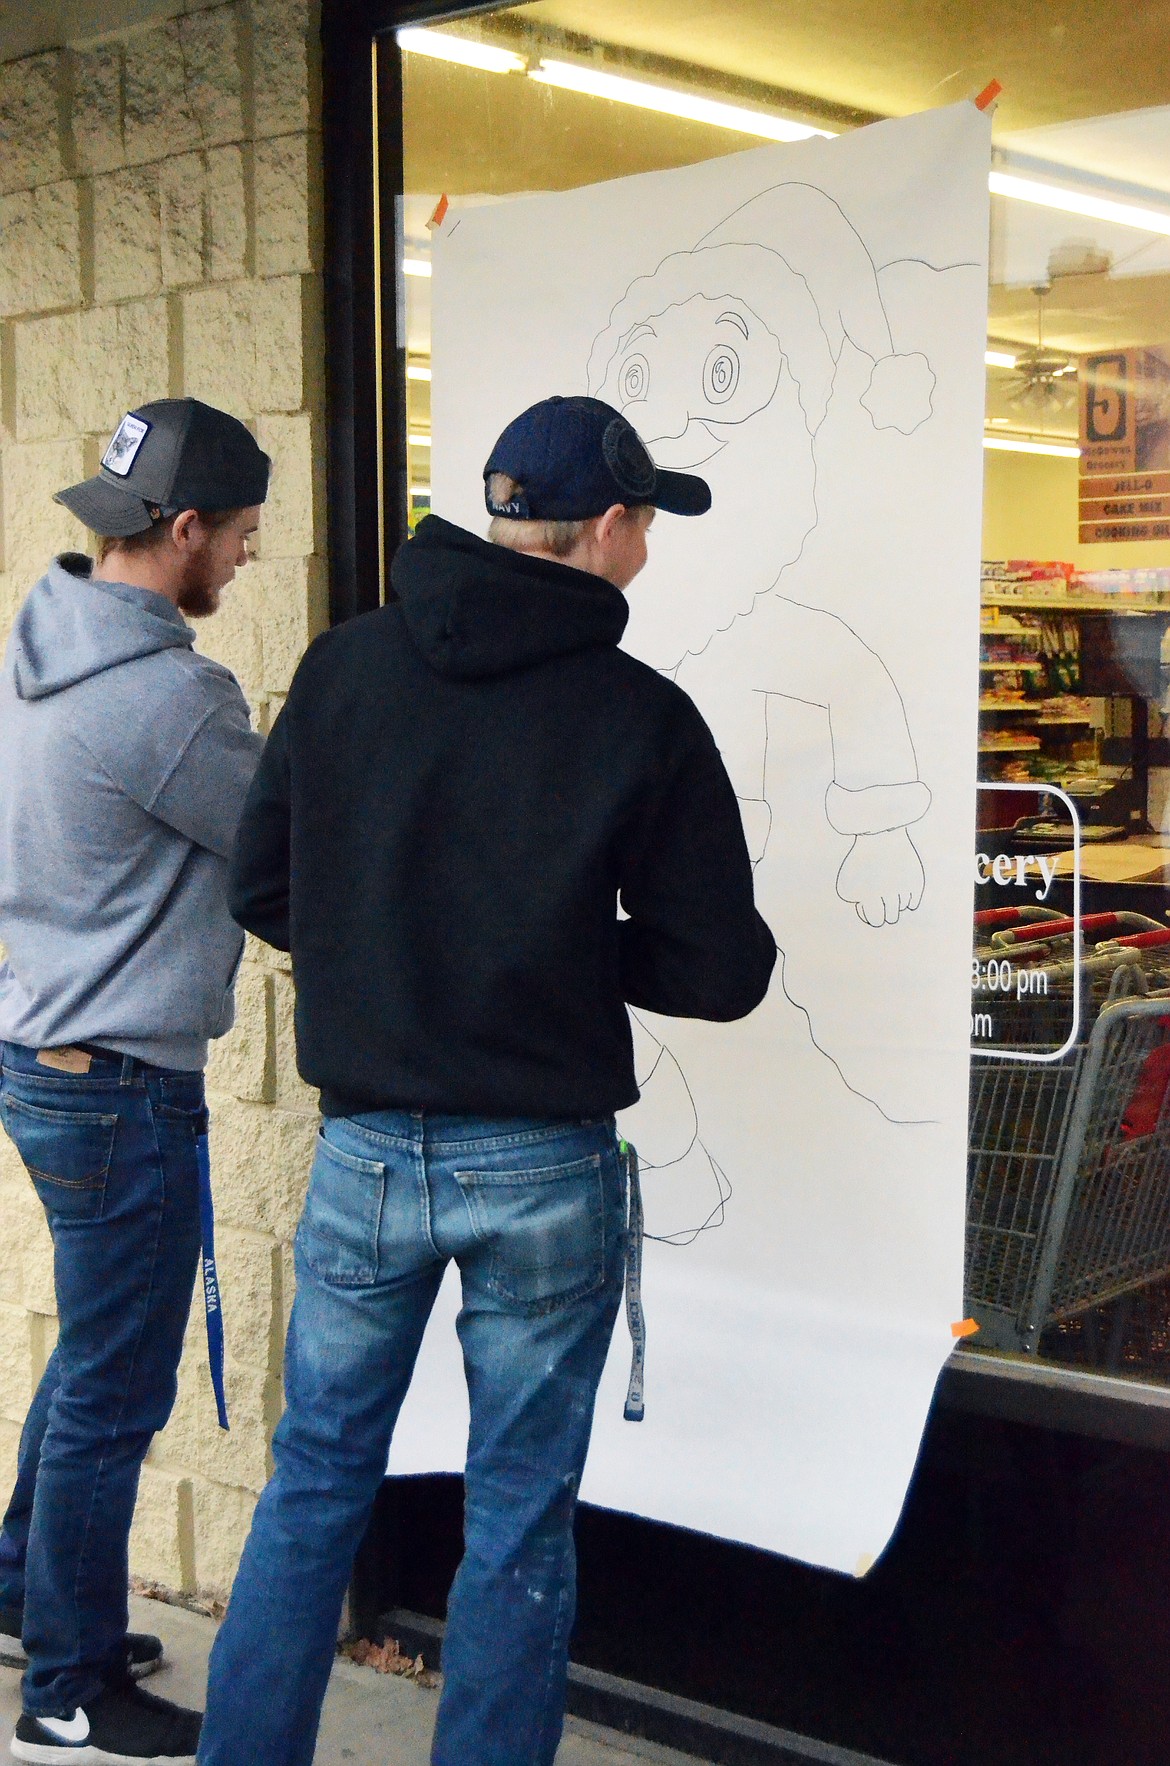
x: 111, y: 1154
x: 534, y: 1215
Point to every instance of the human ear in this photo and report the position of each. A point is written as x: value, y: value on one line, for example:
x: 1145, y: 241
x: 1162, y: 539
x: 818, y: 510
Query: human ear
x: 610, y: 521
x: 182, y: 526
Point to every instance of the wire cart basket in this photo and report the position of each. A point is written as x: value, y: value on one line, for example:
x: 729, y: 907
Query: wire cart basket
x: 1069, y: 1160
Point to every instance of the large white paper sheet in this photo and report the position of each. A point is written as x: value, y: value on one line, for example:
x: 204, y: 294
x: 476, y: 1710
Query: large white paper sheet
x: 805, y: 326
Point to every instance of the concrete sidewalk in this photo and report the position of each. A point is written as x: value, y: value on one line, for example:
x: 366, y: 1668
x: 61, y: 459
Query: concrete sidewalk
x: 369, y: 1717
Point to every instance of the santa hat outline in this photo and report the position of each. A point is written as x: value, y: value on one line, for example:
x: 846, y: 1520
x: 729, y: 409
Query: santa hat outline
x: 838, y: 278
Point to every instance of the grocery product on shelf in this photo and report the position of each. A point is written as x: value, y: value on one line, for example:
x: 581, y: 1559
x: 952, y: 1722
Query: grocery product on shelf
x: 1069, y: 664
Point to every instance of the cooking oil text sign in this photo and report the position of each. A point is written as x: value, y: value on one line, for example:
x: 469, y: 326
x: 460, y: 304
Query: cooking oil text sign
x: 1125, y: 445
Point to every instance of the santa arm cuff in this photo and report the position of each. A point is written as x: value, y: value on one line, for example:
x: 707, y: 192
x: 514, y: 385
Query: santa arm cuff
x: 876, y: 809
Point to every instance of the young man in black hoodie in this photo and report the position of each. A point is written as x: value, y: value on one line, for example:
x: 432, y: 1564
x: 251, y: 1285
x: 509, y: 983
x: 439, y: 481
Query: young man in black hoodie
x: 461, y: 789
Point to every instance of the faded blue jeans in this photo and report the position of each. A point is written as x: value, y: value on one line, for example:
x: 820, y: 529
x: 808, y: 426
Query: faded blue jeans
x: 534, y: 1215
x: 112, y: 1156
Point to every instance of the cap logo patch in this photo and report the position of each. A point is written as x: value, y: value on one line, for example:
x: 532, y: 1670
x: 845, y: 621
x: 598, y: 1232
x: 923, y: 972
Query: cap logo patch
x: 129, y: 436
x: 516, y: 507
x: 627, y: 459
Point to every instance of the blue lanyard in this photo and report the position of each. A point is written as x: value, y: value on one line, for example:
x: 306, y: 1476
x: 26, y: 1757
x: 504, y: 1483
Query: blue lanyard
x: 211, y: 1302
x: 635, y: 1317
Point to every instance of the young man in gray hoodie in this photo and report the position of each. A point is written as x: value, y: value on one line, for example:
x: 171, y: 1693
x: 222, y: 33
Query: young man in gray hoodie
x: 126, y: 760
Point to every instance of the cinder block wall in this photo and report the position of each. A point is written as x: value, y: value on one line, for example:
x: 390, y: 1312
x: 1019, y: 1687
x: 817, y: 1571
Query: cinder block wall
x: 160, y: 231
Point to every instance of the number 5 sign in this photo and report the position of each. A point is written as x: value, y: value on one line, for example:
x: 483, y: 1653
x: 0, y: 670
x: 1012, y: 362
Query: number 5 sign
x: 1107, y: 427
x: 1125, y: 445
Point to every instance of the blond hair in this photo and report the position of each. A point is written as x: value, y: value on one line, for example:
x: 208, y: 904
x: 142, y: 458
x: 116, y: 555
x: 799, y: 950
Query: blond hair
x: 557, y: 537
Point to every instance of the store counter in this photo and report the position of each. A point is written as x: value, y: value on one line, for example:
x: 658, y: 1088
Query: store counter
x: 1118, y: 874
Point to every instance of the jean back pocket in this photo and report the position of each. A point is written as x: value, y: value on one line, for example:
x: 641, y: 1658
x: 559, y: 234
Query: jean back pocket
x: 67, y: 1154
x: 338, y: 1234
x: 544, y: 1229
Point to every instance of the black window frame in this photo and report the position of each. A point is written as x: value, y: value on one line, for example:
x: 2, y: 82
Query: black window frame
x: 361, y: 127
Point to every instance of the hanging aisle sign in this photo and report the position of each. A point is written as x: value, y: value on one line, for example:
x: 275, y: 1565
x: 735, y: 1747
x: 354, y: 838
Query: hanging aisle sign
x: 1125, y: 445
x: 805, y: 327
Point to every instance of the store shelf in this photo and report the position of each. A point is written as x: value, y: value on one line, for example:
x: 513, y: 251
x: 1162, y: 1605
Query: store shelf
x: 1074, y: 604
x: 1044, y: 712
x: 1037, y: 708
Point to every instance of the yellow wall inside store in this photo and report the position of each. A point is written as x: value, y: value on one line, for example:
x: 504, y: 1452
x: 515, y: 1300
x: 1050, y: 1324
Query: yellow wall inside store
x: 1030, y: 511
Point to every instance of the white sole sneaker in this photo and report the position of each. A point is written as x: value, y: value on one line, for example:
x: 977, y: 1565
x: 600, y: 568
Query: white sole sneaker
x: 120, y: 1726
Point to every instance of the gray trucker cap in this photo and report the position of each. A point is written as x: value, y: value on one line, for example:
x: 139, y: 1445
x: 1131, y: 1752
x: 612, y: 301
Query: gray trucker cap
x: 169, y: 455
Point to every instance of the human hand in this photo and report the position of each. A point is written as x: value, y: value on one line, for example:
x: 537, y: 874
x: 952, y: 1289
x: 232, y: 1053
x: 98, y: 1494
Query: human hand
x: 882, y: 876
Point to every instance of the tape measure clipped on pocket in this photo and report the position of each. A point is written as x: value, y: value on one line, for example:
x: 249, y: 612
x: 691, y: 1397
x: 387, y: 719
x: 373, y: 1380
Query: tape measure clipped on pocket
x: 635, y: 1409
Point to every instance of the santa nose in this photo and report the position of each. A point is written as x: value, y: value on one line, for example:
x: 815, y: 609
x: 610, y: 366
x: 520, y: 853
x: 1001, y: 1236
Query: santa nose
x: 660, y: 419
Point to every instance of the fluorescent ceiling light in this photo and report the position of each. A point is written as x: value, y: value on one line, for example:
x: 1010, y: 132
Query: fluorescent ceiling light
x: 416, y: 266
x: 594, y: 83
x: 1024, y: 444
x: 415, y: 372
x: 998, y: 359
x: 576, y: 78
x: 420, y: 490
x: 418, y: 439
x: 463, y: 50
x: 1079, y: 202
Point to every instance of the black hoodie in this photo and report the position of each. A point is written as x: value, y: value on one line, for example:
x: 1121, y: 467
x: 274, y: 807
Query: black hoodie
x: 457, y: 793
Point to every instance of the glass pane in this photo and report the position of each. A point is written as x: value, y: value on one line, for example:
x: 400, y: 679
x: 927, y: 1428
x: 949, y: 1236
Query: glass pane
x: 1069, y: 1223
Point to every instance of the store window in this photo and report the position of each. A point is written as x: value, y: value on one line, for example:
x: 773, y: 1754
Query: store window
x: 1068, y: 1254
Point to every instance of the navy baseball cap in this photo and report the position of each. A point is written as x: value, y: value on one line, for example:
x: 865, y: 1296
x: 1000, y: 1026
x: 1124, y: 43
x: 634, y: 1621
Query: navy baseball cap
x: 169, y: 455
x: 575, y: 457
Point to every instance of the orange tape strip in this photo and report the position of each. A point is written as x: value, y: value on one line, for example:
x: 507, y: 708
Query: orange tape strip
x: 988, y: 95
x: 440, y: 213
x: 966, y: 1327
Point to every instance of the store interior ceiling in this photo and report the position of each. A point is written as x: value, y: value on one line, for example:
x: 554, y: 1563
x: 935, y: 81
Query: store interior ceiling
x: 1085, y: 86
x: 1056, y: 59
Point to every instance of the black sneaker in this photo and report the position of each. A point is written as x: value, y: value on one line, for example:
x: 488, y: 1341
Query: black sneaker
x: 144, y: 1653
x: 121, y: 1727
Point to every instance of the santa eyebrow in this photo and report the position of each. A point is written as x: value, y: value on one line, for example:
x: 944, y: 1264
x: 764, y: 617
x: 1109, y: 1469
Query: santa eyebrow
x: 637, y: 332
x: 732, y: 319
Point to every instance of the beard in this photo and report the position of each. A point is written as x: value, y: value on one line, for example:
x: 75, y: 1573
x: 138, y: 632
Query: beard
x: 199, y: 591
x: 704, y: 573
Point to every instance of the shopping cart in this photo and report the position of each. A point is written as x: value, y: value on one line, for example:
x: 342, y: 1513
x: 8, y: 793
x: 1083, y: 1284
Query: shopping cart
x: 1069, y: 1161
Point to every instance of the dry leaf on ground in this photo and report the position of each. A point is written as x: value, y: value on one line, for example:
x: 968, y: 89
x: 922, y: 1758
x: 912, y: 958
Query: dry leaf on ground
x: 387, y: 1658
x: 211, y: 1606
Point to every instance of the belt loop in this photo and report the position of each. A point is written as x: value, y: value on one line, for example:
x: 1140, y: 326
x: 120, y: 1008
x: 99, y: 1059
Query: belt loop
x: 635, y: 1409
x: 128, y: 1066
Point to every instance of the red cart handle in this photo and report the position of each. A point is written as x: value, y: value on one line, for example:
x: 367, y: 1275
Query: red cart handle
x: 1013, y: 916
x: 1064, y: 927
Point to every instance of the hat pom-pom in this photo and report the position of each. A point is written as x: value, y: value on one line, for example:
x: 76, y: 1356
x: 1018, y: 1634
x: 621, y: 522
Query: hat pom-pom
x: 899, y: 392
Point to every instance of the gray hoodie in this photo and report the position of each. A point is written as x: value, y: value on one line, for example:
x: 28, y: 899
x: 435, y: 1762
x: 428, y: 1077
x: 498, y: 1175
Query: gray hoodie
x: 125, y: 758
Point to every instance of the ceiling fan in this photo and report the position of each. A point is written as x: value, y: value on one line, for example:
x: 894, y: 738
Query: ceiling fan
x: 1045, y: 379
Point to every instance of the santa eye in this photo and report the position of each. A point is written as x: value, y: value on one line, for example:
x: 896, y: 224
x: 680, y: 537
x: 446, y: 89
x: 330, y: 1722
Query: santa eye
x: 720, y: 374
x: 634, y: 380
